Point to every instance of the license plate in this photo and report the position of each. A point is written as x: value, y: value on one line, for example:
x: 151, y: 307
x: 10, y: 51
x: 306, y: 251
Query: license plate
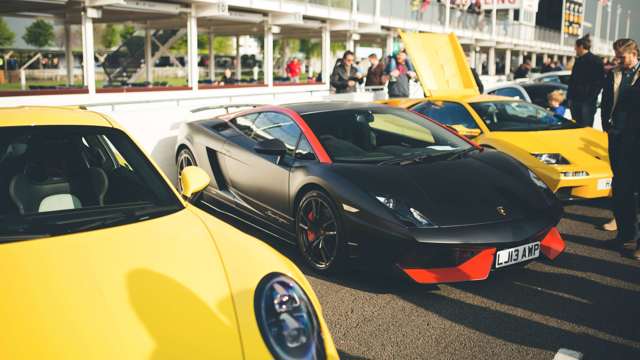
x: 604, y: 184
x: 517, y: 254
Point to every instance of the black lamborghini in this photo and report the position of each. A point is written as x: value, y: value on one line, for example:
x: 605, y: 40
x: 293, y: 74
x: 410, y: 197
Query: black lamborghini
x: 356, y: 181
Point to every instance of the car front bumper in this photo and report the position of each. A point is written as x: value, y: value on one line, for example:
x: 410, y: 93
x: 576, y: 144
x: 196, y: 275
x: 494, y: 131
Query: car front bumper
x: 448, y: 254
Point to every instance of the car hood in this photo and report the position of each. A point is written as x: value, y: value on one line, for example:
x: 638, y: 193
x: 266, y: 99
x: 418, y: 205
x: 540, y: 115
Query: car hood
x: 585, y: 146
x: 466, y: 191
x: 142, y: 290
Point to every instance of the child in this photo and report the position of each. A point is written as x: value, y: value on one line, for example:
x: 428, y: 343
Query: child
x: 554, y: 100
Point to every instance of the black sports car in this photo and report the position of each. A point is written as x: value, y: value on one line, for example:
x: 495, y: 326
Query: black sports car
x: 348, y: 181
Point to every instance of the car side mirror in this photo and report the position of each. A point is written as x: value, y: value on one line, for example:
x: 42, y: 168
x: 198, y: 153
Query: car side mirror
x: 192, y: 181
x: 466, y: 132
x: 271, y: 147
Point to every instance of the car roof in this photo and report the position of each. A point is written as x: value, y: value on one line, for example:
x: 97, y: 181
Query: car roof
x: 326, y: 106
x: 51, y: 115
x: 545, y: 85
x: 553, y: 73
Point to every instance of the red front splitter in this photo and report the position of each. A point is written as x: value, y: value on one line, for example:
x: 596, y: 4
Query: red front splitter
x: 476, y: 268
x: 552, y: 245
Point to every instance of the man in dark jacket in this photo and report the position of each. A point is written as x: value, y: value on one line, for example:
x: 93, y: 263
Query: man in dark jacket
x: 375, y: 73
x: 345, y: 74
x: 523, y: 70
x: 621, y: 120
x: 585, y: 83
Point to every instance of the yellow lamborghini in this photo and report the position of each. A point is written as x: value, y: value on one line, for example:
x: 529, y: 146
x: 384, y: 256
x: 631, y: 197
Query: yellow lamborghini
x: 573, y: 161
x: 103, y: 259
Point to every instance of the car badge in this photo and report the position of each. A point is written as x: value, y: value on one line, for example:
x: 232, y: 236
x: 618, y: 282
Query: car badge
x: 501, y: 211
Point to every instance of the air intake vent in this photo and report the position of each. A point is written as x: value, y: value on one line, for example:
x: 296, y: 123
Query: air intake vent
x: 216, y: 169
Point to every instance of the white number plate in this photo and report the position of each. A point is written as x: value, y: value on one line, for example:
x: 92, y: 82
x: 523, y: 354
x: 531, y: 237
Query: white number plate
x: 517, y: 254
x: 604, y: 184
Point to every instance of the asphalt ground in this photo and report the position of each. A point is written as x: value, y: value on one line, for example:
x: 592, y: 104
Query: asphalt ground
x: 587, y: 300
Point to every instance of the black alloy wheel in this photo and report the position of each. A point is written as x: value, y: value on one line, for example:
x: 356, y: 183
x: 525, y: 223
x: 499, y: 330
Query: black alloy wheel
x: 318, y: 230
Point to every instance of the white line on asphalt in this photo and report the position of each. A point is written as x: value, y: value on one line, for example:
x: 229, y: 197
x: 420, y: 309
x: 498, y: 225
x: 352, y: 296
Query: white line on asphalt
x: 567, y: 354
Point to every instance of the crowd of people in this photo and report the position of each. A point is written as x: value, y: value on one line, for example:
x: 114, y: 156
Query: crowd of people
x: 615, y: 83
x: 396, y: 71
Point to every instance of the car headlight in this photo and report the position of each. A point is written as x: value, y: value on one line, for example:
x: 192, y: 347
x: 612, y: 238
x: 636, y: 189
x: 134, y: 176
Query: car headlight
x: 536, y: 180
x: 404, y: 212
x: 551, y: 159
x: 287, y: 320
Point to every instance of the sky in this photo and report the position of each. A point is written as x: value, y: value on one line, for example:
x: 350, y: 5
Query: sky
x: 633, y: 5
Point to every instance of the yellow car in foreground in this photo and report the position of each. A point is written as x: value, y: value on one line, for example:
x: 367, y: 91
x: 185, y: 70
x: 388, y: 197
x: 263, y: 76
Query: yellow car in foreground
x: 573, y: 161
x: 102, y: 258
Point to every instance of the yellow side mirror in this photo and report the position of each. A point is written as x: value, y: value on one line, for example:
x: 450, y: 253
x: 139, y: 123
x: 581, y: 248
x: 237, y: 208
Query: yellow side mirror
x: 466, y: 132
x: 193, y: 180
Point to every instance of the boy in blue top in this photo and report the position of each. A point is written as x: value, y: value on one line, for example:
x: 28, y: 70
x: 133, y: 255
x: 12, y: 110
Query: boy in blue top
x: 555, y: 100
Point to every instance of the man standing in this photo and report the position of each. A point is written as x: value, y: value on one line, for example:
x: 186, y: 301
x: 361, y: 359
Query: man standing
x: 585, y: 83
x: 400, y: 71
x: 621, y: 120
x: 345, y: 74
x: 523, y: 70
x: 375, y: 73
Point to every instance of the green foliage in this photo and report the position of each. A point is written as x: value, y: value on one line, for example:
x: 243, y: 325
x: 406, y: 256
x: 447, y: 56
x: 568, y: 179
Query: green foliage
x: 127, y: 31
x: 111, y: 36
x: 6, y: 35
x: 39, y: 34
x: 223, y: 45
x: 337, y: 47
x: 312, y: 49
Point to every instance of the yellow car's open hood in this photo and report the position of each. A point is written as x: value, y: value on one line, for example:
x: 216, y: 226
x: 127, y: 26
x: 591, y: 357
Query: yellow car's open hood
x: 440, y: 63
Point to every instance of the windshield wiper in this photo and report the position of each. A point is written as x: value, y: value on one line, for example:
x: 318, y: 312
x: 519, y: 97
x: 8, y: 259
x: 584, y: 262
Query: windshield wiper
x: 460, y: 154
x: 125, y: 217
x: 37, y: 228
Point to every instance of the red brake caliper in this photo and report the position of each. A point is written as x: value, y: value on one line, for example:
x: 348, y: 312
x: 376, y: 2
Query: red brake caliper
x: 311, y: 236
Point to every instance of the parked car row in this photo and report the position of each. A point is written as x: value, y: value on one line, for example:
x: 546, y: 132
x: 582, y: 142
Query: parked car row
x: 105, y: 258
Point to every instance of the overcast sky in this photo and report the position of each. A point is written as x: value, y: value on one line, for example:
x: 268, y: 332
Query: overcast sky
x: 633, y: 5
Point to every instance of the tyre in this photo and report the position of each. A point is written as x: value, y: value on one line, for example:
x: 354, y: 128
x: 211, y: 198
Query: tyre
x: 319, y: 233
x: 184, y: 158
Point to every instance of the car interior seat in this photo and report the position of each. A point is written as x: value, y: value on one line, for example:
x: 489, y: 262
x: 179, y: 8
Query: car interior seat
x: 56, y: 178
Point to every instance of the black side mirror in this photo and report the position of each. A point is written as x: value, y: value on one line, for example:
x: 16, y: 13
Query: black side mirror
x: 270, y: 147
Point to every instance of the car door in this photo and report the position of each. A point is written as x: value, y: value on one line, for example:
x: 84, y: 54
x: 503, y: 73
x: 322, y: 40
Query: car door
x: 262, y: 181
x: 452, y: 114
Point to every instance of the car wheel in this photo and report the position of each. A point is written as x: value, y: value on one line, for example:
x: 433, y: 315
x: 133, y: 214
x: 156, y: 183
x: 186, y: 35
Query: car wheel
x: 185, y: 158
x: 319, y: 232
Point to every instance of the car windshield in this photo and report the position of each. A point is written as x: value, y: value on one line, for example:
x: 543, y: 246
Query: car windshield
x: 64, y: 179
x: 381, y: 135
x: 519, y: 116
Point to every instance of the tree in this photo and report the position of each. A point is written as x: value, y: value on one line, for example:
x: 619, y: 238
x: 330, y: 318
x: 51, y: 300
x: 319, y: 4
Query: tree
x: 39, y: 34
x: 126, y: 32
x: 6, y: 35
x: 222, y: 45
x: 110, y: 36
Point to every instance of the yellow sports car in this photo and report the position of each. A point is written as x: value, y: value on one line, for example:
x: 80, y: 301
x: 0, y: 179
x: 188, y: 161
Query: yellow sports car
x: 573, y: 161
x: 103, y: 259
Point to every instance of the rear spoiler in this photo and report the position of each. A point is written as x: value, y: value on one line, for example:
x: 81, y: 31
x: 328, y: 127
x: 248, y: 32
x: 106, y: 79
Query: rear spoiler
x: 225, y: 107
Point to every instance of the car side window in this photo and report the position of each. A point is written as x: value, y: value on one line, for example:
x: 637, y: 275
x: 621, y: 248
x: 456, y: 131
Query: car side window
x: 509, y: 92
x: 448, y: 113
x: 273, y: 125
x: 244, y: 123
x: 304, y: 150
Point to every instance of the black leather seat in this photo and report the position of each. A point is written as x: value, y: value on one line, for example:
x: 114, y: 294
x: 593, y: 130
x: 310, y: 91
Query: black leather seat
x: 56, y: 178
